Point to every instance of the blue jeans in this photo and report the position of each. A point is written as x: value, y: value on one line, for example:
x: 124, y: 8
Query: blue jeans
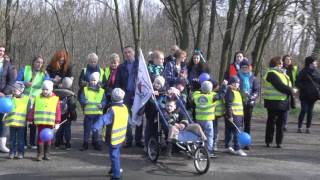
x: 114, y: 153
x: 215, y: 131
x: 4, y: 130
x: 232, y: 132
x: 17, y: 138
x: 207, y: 127
x: 88, y: 122
x: 64, y: 132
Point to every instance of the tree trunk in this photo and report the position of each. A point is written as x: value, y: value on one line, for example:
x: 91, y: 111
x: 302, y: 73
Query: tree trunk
x: 118, y: 24
x: 201, y: 20
x: 248, y: 26
x: 8, y: 26
x: 227, y: 39
x: 211, y: 29
x: 136, y: 21
x: 315, y: 12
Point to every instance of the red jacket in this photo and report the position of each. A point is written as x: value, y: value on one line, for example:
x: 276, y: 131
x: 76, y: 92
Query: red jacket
x: 58, y: 113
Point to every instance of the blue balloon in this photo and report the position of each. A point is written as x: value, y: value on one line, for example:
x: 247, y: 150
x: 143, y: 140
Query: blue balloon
x: 46, y: 134
x: 204, y: 77
x: 6, y: 105
x: 244, y: 139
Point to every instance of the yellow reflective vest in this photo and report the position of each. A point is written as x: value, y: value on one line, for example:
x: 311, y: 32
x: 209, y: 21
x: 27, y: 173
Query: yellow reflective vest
x: 271, y: 93
x: 18, y: 116
x: 93, y: 99
x: 45, y: 110
x: 205, y: 106
x: 120, y: 123
x: 237, y: 106
x: 220, y: 108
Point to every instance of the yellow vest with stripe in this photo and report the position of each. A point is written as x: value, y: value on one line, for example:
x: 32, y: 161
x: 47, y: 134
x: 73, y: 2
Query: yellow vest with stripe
x: 237, y: 106
x: 205, y: 106
x: 36, y: 88
x: 18, y: 116
x: 294, y: 74
x: 107, y: 72
x: 93, y: 98
x: 120, y: 123
x: 45, y: 110
x: 271, y: 93
x: 101, y: 72
x: 220, y: 108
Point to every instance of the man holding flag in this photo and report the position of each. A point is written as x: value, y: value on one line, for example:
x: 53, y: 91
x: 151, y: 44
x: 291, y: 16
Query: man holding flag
x: 126, y: 80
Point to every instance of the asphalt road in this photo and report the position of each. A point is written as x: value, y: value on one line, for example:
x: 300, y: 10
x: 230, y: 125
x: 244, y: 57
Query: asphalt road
x: 298, y: 159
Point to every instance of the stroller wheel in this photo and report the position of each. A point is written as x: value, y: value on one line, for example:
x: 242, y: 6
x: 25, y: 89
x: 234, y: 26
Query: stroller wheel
x: 153, y: 149
x: 201, y: 160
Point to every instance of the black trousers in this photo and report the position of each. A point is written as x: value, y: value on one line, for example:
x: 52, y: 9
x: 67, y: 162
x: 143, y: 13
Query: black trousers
x: 306, y: 108
x: 275, y: 119
x: 247, y: 109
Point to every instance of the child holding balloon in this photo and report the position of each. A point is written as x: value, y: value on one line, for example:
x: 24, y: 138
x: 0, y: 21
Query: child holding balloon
x: 16, y: 120
x: 46, y: 115
x: 234, y: 116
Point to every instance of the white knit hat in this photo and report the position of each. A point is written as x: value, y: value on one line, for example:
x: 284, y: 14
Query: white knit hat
x: 47, y: 84
x: 117, y: 95
x: 206, y: 87
x: 67, y: 82
x: 95, y: 76
x: 160, y: 79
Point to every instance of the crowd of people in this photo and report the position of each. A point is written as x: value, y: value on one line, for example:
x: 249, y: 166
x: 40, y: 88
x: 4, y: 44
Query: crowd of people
x: 43, y: 98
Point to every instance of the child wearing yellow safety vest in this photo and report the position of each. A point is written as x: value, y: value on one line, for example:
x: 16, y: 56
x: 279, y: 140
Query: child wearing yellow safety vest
x: 234, y: 116
x: 205, y: 102
x: 46, y: 113
x: 16, y: 120
x: 117, y: 116
x: 93, y: 101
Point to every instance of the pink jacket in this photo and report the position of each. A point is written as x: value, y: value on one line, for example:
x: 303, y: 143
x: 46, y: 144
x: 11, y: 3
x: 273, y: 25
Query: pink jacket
x: 58, y: 113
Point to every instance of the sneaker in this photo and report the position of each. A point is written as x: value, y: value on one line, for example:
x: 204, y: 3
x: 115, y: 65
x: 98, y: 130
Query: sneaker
x: 25, y: 147
x: 299, y: 130
x: 68, y: 146
x: 229, y: 150
x: 11, y: 156
x: 278, y: 146
x: 34, y: 147
x: 110, y: 171
x: 308, y: 131
x: 20, y: 156
x: 240, y: 152
x: 212, y: 155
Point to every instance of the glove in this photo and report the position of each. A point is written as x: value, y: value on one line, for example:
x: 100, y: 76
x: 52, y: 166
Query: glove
x: 56, y: 126
x: 99, y: 106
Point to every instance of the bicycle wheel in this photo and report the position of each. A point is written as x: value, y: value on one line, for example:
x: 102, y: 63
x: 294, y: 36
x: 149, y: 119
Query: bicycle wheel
x: 201, y: 160
x: 153, y: 149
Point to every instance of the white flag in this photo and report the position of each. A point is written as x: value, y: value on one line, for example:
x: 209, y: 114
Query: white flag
x: 143, y: 92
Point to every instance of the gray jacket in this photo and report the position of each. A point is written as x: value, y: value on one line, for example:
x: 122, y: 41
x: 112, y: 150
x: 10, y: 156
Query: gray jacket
x: 8, y: 77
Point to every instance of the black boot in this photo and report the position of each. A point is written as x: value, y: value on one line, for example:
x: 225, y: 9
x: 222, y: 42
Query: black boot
x: 39, y: 152
x: 47, y: 152
x: 169, y: 149
x: 84, y: 147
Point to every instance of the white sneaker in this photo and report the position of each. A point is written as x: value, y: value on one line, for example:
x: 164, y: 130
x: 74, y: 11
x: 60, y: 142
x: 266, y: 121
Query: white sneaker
x: 229, y: 150
x: 240, y: 152
x: 34, y: 147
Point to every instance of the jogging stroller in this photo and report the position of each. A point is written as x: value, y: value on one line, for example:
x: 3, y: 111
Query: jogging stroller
x: 187, y: 141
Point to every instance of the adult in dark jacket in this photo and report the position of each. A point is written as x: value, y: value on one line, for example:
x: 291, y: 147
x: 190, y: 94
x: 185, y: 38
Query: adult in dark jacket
x: 170, y: 57
x: 126, y: 80
x: 291, y: 71
x: 8, y: 74
x: 195, y: 67
x: 176, y: 69
x: 308, y: 82
x: 59, y: 67
x: 249, y: 88
x: 277, y: 99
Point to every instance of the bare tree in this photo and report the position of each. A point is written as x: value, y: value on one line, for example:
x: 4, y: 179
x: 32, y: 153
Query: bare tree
x: 211, y: 28
x: 136, y: 25
x: 10, y: 25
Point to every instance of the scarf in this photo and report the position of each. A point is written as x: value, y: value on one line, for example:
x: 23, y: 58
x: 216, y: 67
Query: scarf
x: 245, y: 79
x: 155, y: 69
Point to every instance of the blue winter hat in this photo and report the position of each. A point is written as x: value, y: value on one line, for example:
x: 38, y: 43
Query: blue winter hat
x: 234, y: 79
